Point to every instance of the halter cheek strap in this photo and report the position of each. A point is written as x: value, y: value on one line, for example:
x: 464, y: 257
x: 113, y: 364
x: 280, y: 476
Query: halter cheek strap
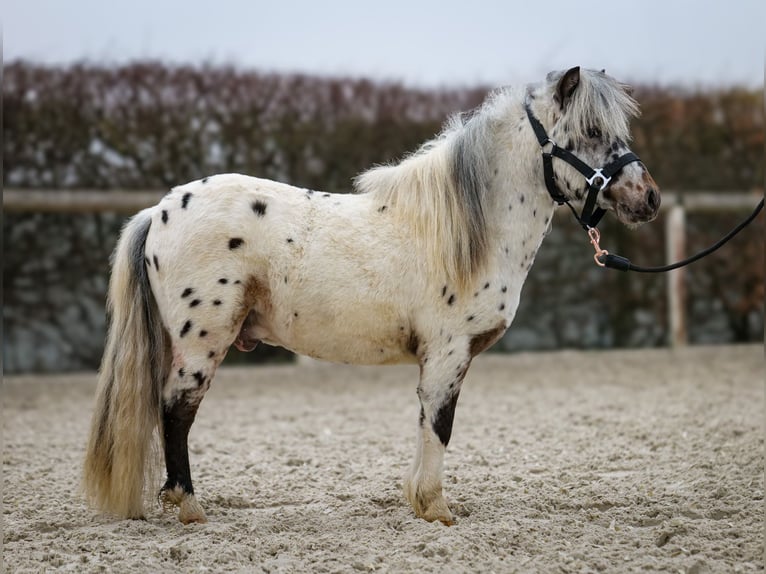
x: 598, y: 179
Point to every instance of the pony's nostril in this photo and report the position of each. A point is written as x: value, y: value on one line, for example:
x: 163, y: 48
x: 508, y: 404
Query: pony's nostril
x: 653, y: 199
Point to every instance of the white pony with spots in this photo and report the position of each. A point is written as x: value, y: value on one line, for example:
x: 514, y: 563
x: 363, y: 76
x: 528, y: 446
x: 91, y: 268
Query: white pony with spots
x: 424, y: 265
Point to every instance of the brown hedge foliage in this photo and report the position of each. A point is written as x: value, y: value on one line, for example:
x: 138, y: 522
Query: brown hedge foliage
x: 710, y: 141
x: 152, y: 126
x: 148, y: 125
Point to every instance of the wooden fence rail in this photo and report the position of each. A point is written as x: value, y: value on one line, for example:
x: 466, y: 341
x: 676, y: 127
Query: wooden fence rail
x: 124, y: 201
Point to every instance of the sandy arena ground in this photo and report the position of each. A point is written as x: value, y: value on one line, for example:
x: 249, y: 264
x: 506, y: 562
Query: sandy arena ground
x: 629, y: 461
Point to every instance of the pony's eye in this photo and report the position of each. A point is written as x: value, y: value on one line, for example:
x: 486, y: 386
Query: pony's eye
x: 594, y: 133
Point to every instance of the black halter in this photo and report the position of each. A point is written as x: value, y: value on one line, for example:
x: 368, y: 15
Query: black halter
x: 598, y: 179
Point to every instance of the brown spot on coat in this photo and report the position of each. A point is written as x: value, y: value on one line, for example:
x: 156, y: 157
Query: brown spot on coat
x: 256, y: 296
x: 482, y: 341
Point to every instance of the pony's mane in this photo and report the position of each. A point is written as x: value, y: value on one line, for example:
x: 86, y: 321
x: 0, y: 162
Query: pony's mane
x: 441, y: 190
x: 599, y: 101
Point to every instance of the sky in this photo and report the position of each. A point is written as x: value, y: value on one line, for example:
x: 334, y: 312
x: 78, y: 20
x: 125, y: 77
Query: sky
x: 429, y: 43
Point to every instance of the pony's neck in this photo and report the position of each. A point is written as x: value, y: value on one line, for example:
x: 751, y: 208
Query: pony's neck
x: 471, y: 195
x: 519, y: 208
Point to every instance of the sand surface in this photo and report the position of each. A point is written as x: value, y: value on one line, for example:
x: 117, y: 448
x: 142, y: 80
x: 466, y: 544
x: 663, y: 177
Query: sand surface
x: 560, y: 462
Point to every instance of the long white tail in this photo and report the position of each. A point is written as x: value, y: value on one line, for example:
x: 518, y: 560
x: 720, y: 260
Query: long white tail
x: 122, y: 449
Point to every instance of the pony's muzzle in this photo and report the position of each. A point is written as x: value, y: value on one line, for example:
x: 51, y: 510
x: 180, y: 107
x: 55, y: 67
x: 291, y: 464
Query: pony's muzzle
x: 635, y: 202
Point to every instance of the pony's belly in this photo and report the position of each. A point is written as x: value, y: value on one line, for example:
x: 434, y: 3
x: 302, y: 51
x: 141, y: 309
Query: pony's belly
x: 353, y: 353
x: 354, y: 348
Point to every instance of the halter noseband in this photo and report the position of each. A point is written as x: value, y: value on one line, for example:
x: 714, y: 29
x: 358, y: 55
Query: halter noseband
x: 598, y: 179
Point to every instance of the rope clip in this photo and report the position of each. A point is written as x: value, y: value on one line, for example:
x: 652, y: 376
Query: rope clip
x: 595, y: 237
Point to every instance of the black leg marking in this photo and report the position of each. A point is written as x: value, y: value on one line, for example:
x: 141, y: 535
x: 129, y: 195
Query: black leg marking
x: 216, y: 302
x: 442, y: 423
x: 235, y: 242
x: 188, y: 291
x: 185, y: 200
x: 211, y: 354
x: 185, y: 329
x: 164, y: 216
x: 199, y: 377
x: 204, y: 179
x: 156, y: 263
x: 289, y: 239
x: 223, y: 281
x: 444, y: 291
x: 203, y: 333
x: 148, y: 263
x: 177, y: 419
x: 194, y: 303
x: 451, y: 300
x: 259, y: 208
x: 181, y: 373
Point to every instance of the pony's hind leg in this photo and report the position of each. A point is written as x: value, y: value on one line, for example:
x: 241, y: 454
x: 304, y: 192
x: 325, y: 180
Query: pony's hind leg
x: 440, y: 381
x: 178, y: 412
x: 182, y: 396
x: 199, y: 345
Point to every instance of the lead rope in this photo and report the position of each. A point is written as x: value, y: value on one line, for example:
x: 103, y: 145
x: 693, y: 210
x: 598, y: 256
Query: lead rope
x: 605, y: 259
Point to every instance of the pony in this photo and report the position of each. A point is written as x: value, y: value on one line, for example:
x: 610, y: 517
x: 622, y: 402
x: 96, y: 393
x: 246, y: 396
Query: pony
x: 424, y: 264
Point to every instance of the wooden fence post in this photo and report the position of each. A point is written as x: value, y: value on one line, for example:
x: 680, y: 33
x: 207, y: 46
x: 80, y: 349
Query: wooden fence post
x: 675, y: 233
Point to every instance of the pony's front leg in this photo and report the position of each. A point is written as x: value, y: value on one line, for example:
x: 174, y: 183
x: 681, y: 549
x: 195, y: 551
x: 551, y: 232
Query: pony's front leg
x: 441, y: 376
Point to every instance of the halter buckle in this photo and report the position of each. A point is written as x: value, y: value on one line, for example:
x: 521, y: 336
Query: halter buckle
x: 598, y: 174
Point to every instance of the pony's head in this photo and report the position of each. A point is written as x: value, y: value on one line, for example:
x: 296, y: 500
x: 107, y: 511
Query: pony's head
x: 589, y: 115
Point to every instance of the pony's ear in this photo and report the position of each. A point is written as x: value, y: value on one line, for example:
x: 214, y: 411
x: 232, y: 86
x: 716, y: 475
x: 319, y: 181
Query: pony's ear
x: 567, y: 85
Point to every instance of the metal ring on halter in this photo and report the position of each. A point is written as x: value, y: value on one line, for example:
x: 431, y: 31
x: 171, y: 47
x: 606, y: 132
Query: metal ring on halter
x: 598, y: 173
x: 546, y: 142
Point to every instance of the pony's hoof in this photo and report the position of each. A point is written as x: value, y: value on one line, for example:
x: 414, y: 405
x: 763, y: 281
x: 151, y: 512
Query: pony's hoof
x: 430, y: 506
x: 438, y: 511
x: 190, y: 511
x: 196, y: 519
